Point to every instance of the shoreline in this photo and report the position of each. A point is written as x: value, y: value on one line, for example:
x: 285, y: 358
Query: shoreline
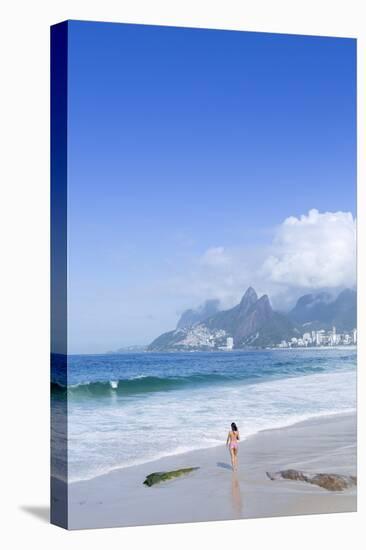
x: 345, y: 347
x: 352, y: 347
x: 322, y: 444
x: 216, y: 446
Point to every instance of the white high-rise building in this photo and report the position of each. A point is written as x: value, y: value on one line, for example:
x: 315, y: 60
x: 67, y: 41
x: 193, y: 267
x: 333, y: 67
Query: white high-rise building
x: 333, y: 337
x: 229, y: 342
x: 319, y: 337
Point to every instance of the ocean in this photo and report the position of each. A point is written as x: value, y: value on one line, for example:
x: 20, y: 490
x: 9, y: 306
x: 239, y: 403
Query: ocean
x: 131, y: 408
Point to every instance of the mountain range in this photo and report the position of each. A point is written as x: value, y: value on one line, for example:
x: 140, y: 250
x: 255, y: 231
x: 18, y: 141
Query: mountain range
x: 321, y: 311
x: 254, y: 323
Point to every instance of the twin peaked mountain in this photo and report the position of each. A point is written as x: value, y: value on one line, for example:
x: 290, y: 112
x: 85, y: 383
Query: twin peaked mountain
x: 253, y: 322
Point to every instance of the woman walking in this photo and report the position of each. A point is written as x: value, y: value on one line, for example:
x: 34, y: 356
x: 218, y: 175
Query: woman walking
x: 233, y: 442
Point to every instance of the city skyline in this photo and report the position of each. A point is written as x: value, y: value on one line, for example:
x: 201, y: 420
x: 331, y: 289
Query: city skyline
x: 322, y: 337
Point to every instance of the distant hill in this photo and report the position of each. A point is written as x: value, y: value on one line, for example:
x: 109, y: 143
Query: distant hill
x: 250, y: 323
x: 253, y: 322
x: 193, y: 316
x: 321, y: 311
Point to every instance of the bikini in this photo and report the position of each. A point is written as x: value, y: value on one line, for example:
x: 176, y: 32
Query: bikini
x: 234, y: 444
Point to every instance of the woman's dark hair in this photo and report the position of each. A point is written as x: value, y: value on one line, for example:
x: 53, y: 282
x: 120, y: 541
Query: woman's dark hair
x: 234, y: 427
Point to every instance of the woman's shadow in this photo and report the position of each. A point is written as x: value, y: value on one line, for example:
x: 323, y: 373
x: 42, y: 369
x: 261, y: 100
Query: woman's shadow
x: 224, y: 465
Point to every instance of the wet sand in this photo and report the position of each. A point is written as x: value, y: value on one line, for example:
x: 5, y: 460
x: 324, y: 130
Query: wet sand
x: 321, y: 445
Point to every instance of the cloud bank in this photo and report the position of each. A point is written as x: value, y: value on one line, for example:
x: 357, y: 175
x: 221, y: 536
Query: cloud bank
x: 315, y: 251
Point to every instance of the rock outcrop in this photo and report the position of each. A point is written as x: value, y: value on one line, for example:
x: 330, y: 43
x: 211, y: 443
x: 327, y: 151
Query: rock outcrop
x: 331, y: 482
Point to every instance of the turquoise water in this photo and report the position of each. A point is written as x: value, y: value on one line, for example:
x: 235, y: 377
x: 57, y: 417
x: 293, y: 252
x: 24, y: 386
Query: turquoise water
x: 131, y: 408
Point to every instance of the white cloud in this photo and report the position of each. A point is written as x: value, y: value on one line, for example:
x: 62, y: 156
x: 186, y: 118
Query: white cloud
x: 216, y: 257
x: 316, y: 250
x: 221, y: 273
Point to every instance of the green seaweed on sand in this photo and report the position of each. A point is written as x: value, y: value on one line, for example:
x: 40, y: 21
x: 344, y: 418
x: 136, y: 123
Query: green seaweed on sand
x: 157, y: 477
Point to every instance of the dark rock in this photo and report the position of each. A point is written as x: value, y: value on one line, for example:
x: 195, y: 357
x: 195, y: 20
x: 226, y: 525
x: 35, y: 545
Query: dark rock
x: 331, y: 482
x: 294, y: 475
x: 157, y: 477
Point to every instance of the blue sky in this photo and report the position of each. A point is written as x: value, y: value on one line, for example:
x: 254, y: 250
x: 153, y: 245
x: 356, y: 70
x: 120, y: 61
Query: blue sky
x: 183, y: 141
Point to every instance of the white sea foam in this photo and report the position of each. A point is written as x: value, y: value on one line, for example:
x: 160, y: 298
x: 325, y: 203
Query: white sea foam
x: 108, y: 435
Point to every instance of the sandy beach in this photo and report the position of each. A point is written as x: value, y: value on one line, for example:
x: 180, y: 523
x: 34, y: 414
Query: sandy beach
x: 324, y: 444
